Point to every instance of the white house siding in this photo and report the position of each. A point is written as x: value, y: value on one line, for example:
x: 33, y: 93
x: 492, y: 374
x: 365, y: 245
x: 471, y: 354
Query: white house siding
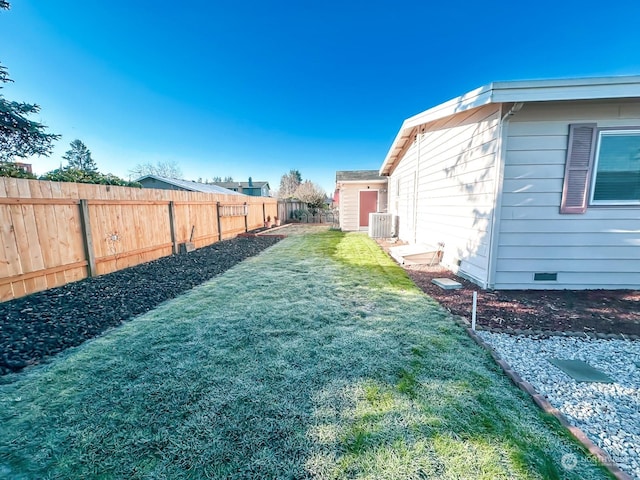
x: 598, y: 249
x: 443, y: 189
x: 348, y: 208
x: 350, y: 202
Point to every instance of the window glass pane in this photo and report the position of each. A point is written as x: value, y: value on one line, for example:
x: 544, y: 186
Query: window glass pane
x: 618, y: 175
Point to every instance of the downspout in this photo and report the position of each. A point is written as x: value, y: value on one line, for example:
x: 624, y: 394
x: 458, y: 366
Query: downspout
x: 415, y: 192
x: 499, y: 162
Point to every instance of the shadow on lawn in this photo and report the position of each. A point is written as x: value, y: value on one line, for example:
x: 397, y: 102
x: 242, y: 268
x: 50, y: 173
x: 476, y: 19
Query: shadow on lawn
x: 442, y: 428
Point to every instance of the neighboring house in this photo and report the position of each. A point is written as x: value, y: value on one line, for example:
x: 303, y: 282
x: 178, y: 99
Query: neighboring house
x: 25, y: 167
x: 164, y: 183
x: 359, y: 192
x: 529, y: 185
x: 255, y: 189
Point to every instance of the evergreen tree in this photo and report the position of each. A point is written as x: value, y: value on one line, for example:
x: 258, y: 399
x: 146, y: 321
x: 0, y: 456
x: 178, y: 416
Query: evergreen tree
x: 79, y: 157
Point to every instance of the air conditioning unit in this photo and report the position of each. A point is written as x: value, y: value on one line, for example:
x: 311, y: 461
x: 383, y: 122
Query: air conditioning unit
x: 381, y: 225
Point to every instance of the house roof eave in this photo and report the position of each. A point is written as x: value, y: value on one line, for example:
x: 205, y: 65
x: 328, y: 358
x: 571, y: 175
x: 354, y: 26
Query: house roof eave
x: 594, y: 88
x: 473, y: 99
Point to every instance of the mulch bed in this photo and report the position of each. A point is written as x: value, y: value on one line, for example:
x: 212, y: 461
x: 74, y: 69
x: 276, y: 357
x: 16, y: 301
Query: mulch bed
x: 43, y: 324
x: 583, y: 311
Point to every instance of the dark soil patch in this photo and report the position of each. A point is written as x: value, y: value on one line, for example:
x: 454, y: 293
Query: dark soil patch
x: 43, y: 324
x: 589, y: 311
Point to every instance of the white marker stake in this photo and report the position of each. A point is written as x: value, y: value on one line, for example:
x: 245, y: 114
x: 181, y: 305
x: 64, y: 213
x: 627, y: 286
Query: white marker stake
x: 473, y: 312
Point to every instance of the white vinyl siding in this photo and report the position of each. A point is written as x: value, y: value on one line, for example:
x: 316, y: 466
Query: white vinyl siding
x: 349, y: 208
x: 447, y: 186
x: 597, y: 249
x: 404, y: 177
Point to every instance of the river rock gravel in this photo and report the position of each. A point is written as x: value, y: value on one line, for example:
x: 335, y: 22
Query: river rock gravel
x: 609, y: 413
x: 43, y: 324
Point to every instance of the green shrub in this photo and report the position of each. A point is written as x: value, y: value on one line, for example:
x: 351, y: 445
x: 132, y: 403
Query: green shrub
x: 83, y: 176
x: 10, y: 169
x: 300, y: 214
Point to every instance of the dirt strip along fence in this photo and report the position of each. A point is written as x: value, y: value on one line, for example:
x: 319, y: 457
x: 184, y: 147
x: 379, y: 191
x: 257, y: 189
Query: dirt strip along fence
x: 54, y: 233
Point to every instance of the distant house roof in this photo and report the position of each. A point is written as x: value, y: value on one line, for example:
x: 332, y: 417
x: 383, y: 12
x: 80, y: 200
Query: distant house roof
x: 254, y: 184
x: 358, y: 176
x: 192, y: 186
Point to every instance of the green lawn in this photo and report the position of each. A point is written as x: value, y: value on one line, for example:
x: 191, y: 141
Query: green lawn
x: 318, y: 358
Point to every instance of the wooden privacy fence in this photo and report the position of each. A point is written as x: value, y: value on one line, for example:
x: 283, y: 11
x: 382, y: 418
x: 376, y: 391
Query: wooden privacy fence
x: 286, y: 208
x: 295, y: 210
x: 55, y: 233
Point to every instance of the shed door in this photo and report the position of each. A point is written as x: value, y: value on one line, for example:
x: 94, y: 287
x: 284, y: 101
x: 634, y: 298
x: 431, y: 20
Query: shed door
x: 368, y: 204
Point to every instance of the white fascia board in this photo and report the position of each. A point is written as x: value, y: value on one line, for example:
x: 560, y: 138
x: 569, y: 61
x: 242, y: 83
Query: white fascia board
x: 475, y: 98
x: 361, y: 182
x: 628, y: 80
x: 574, y: 89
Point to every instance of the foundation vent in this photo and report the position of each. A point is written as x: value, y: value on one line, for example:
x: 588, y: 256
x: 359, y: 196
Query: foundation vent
x: 545, y: 277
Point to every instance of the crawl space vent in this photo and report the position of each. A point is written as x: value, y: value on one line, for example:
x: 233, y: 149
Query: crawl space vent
x: 545, y: 277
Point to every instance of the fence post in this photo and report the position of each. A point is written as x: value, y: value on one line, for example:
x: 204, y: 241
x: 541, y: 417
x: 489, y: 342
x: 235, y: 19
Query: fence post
x: 219, y: 227
x: 264, y: 217
x: 172, y: 226
x: 87, y: 238
x: 246, y: 218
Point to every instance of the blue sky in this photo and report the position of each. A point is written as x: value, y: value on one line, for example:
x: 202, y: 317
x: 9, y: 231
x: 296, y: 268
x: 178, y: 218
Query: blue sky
x: 258, y: 88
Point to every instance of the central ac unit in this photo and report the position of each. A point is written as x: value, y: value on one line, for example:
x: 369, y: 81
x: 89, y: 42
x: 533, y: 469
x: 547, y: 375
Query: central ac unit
x: 381, y: 225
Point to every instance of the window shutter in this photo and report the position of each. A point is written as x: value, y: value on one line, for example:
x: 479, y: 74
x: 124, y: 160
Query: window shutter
x: 580, y: 152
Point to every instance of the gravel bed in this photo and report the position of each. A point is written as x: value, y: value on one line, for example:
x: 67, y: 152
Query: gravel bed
x: 608, y: 413
x: 45, y: 323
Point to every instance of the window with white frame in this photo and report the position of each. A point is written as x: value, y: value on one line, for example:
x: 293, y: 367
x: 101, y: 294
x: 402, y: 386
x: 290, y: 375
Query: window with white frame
x: 616, y: 173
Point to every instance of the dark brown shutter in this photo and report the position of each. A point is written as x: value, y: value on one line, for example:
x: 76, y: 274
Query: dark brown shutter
x: 577, y: 172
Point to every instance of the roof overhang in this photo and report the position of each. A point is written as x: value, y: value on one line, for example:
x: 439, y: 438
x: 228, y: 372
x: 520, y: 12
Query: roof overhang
x: 512, y: 92
x: 188, y: 185
x: 363, y: 182
x: 159, y: 178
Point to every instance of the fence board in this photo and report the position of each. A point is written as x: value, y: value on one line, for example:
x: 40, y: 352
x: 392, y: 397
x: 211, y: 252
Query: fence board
x: 20, y: 239
x: 6, y: 254
x: 56, y: 189
x: 6, y: 292
x: 41, y: 239
x: 48, y: 235
x: 10, y: 243
x: 12, y: 187
x: 36, y: 223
